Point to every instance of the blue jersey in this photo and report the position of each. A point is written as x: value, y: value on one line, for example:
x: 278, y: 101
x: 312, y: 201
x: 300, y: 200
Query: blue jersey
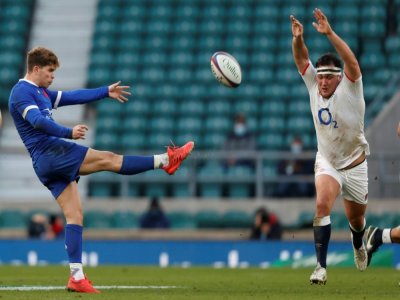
x: 31, y: 109
x: 56, y: 161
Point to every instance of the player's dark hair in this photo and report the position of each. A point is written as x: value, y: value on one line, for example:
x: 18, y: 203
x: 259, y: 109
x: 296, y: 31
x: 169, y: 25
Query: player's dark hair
x: 41, y: 57
x: 329, y: 59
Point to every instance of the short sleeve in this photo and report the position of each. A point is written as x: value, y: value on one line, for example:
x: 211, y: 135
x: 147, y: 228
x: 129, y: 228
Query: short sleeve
x: 308, y: 76
x: 354, y: 87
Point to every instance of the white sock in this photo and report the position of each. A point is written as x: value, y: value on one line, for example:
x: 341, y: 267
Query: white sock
x: 76, y: 271
x: 161, y: 160
x: 386, y: 236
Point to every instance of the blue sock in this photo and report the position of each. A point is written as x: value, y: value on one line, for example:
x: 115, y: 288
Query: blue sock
x: 136, y: 164
x: 322, y: 235
x: 73, y: 242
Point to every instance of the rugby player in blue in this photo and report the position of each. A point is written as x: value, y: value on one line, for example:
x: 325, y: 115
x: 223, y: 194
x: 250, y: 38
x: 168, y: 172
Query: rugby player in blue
x: 59, y: 163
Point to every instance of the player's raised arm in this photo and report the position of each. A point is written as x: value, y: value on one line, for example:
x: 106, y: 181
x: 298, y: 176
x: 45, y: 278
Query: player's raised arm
x: 351, y: 66
x: 300, y: 52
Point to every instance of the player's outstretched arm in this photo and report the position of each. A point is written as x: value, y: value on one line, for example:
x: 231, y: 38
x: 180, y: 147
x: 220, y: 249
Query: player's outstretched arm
x: 351, y: 66
x: 299, y: 49
x: 118, y: 92
x: 83, y: 96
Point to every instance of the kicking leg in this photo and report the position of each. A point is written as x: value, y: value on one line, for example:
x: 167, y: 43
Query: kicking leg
x: 96, y: 161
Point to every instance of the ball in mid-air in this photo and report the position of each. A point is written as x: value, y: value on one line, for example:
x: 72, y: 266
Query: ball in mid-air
x: 226, y: 69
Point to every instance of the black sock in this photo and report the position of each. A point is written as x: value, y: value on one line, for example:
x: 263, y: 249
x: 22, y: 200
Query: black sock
x: 357, y: 237
x: 378, y: 237
x: 322, y: 235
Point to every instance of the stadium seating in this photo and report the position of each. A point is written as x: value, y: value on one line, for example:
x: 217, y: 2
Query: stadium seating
x: 237, y: 219
x: 10, y: 218
x: 208, y: 219
x: 96, y: 219
x: 162, y: 49
x: 124, y: 220
x: 15, y: 18
x: 181, y: 220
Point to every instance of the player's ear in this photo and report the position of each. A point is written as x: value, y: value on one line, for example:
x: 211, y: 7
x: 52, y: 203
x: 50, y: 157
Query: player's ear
x: 35, y: 69
x: 339, y: 78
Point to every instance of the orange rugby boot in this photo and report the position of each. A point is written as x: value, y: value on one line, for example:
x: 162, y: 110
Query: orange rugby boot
x: 81, y: 286
x: 176, y: 156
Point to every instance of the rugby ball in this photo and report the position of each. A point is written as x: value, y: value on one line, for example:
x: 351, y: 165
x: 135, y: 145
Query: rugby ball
x: 226, y: 69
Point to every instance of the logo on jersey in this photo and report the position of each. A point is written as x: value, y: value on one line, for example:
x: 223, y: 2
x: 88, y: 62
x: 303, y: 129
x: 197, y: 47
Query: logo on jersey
x: 325, y: 117
x: 47, y: 113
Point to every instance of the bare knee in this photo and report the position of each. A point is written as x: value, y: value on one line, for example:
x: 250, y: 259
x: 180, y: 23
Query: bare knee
x: 110, y: 161
x: 322, y: 207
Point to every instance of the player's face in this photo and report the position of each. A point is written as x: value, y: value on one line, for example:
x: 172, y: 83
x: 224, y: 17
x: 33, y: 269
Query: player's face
x: 327, y: 84
x: 45, y: 76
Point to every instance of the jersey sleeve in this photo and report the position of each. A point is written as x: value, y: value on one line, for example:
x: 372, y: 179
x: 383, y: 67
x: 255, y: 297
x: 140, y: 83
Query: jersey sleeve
x: 308, y: 75
x: 354, y: 86
x: 81, y: 96
x: 27, y: 107
x: 24, y: 102
x: 39, y: 122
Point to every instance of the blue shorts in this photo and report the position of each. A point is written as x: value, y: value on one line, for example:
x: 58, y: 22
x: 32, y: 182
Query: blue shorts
x: 59, y: 165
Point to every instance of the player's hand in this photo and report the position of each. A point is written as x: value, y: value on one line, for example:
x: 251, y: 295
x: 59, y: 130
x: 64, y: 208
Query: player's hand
x: 322, y: 24
x: 79, y: 132
x: 118, y: 92
x: 297, y: 27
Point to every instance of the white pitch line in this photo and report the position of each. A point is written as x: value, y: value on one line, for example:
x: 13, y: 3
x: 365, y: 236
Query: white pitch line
x: 100, y: 287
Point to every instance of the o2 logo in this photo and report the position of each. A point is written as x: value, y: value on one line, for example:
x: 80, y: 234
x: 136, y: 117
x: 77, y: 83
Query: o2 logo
x: 325, y: 117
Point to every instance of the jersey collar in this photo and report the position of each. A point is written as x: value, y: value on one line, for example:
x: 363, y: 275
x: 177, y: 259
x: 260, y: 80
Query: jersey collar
x: 31, y: 82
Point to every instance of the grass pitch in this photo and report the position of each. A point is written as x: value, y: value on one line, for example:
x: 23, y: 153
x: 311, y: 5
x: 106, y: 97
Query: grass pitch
x: 202, y: 283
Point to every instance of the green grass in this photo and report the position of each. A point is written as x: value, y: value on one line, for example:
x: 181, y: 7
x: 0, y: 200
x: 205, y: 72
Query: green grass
x: 206, y: 283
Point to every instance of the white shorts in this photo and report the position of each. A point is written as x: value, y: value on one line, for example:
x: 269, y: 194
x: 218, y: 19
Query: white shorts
x: 353, y: 182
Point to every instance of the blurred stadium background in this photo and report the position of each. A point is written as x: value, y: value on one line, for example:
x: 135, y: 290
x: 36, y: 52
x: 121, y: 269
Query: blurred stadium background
x: 162, y: 48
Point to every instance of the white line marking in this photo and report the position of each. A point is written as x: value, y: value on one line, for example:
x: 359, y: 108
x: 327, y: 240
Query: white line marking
x: 100, y: 287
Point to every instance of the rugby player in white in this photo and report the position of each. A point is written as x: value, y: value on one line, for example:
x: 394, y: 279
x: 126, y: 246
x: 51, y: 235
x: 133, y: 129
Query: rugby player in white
x: 338, y: 107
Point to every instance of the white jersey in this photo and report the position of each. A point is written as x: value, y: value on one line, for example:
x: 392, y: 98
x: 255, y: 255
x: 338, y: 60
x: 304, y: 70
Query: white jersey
x: 339, y: 120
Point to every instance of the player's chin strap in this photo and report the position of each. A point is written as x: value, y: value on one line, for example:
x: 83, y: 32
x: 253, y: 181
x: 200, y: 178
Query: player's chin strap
x: 329, y: 70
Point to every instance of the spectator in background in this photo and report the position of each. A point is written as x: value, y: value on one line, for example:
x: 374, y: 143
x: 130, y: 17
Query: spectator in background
x: 56, y: 226
x: 266, y: 226
x: 293, y: 167
x: 240, y: 139
x: 155, y: 217
x: 38, y: 226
